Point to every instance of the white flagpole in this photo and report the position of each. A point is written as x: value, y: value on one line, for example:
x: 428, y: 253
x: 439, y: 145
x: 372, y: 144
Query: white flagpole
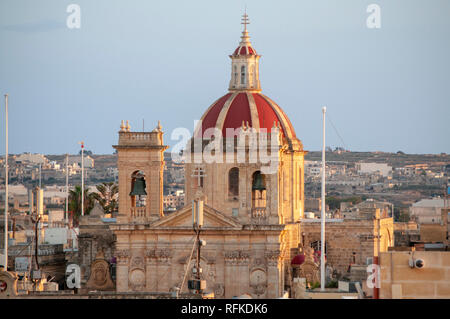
x: 322, y: 234
x: 6, y: 186
x: 67, y: 190
x: 82, y: 179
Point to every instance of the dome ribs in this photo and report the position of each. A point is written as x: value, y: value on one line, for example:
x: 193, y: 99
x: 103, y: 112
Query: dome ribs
x: 238, y: 111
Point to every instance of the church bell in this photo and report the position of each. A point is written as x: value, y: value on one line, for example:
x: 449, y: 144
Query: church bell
x: 138, y: 187
x: 258, y: 183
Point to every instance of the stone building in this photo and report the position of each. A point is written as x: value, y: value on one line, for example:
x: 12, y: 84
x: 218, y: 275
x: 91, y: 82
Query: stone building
x: 94, y: 239
x: 362, y: 232
x: 252, y: 208
x: 428, y: 211
x: 400, y: 278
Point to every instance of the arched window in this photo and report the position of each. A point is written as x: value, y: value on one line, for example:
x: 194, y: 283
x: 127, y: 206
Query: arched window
x: 138, y: 189
x: 235, y: 75
x: 243, y: 74
x: 258, y: 190
x: 233, y: 183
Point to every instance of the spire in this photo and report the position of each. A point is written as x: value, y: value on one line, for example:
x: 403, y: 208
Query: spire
x: 245, y: 39
x: 245, y: 20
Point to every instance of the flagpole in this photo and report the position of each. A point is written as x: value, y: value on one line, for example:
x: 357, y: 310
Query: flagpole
x: 6, y: 186
x: 82, y: 179
x: 322, y: 234
x: 67, y: 190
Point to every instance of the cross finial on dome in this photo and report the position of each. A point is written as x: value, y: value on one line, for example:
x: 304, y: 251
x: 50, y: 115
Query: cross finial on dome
x: 245, y: 20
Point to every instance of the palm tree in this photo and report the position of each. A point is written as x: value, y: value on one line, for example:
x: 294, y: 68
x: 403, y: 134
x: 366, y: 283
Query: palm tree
x: 75, y: 202
x: 107, y: 196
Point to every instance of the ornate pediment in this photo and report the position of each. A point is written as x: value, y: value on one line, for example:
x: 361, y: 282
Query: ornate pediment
x: 212, y: 219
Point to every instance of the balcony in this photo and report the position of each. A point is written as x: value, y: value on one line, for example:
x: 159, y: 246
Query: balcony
x: 138, y: 213
x: 259, y: 212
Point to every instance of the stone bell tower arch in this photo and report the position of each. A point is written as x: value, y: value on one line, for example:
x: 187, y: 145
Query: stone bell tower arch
x: 140, y: 161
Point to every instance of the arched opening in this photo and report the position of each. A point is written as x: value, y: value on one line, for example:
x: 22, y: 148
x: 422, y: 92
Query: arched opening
x: 243, y: 74
x: 235, y: 75
x: 258, y: 194
x: 138, y: 194
x: 233, y: 183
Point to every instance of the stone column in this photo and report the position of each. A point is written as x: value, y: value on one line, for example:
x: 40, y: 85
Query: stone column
x: 154, y: 186
x: 163, y: 264
x: 273, y: 273
x: 151, y: 270
x: 236, y: 273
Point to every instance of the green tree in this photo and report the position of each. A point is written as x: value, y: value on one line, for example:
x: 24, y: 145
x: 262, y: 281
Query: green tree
x: 85, y: 152
x: 75, y: 202
x: 107, y: 195
x: 335, y: 202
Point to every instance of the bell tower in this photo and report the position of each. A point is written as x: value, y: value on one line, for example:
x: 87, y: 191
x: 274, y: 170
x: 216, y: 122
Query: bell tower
x: 140, y: 161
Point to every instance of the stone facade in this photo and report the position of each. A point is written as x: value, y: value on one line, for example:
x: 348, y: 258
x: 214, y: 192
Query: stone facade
x: 350, y: 241
x: 94, y: 237
x: 251, y: 217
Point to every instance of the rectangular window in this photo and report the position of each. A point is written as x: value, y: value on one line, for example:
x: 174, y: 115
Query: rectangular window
x: 235, y: 212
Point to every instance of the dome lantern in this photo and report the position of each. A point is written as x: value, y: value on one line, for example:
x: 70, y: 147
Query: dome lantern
x: 245, y: 64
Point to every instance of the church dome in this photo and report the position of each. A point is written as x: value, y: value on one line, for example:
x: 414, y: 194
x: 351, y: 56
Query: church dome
x: 251, y: 109
x: 245, y: 106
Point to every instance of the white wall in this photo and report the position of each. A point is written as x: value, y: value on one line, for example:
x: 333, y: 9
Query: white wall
x: 383, y: 168
x: 55, y: 236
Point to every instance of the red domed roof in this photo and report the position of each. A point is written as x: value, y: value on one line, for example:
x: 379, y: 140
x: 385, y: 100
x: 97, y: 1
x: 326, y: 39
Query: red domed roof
x: 298, y: 260
x: 244, y: 50
x: 254, y: 109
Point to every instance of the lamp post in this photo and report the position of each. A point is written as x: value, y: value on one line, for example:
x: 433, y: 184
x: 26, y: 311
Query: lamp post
x: 6, y: 184
x: 82, y: 178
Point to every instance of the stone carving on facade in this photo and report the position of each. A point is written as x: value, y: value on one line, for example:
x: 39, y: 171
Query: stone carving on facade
x: 272, y: 257
x: 158, y: 255
x: 100, y: 277
x: 123, y: 256
x: 258, y: 263
x: 137, y: 262
x: 137, y: 273
x: 258, y: 281
x: 219, y: 290
x: 309, y: 269
x: 137, y: 279
x: 237, y: 257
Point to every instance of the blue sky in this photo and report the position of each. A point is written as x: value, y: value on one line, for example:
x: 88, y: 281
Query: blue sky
x: 385, y: 89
